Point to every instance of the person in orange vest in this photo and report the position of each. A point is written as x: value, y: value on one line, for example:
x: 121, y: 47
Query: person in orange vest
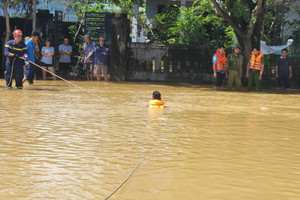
x: 255, y: 69
x: 219, y: 67
x: 156, y: 101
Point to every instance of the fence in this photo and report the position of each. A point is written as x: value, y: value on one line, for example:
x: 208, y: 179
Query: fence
x: 190, y: 64
x: 171, y: 63
x: 98, y: 24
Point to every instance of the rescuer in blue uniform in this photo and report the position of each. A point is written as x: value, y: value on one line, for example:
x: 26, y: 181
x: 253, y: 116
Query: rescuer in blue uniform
x: 14, y: 49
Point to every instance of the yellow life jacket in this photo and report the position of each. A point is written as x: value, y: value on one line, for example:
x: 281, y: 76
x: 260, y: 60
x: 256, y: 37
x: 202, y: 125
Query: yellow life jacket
x: 156, y: 103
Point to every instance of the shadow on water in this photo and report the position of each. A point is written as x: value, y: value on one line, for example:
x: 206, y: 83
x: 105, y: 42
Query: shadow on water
x: 206, y: 87
x: 54, y: 86
x: 30, y: 89
x: 41, y: 89
x: 209, y: 87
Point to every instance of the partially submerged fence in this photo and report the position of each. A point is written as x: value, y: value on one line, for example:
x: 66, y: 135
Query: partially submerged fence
x: 191, y: 64
x: 171, y: 63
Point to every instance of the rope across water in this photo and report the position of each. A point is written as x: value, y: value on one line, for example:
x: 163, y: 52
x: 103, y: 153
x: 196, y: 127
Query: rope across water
x: 136, y: 166
x: 73, y: 84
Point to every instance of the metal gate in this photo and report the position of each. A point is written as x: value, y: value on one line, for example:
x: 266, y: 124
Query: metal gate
x: 98, y: 25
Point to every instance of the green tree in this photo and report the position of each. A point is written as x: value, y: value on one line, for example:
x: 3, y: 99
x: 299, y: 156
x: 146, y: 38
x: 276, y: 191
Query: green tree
x: 246, y: 19
x: 195, y: 25
x: 275, y: 22
x: 165, y: 24
x: 4, y: 6
x: 199, y: 24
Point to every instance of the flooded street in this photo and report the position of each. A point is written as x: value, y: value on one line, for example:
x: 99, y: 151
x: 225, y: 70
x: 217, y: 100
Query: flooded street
x: 58, y: 142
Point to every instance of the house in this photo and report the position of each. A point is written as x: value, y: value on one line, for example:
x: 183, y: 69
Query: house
x: 154, y: 7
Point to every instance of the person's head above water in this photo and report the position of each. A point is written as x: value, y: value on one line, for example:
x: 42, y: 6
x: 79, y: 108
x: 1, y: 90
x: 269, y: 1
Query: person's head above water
x: 156, y: 95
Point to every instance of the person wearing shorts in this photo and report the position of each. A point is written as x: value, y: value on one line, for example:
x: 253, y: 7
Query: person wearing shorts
x: 101, y: 60
x: 47, y: 59
x: 88, y: 56
x: 65, y: 51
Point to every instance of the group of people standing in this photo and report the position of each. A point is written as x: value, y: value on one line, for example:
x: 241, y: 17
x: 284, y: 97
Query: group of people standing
x: 95, y: 61
x: 19, y: 54
x: 95, y: 58
x: 231, y: 67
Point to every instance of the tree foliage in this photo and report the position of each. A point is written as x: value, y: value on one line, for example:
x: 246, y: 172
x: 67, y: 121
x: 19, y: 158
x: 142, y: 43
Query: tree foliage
x: 246, y: 19
x: 194, y: 25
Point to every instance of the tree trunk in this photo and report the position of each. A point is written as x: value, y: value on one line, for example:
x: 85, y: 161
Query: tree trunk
x: 247, y: 49
x: 248, y: 37
x: 245, y: 42
x: 255, y: 39
x: 77, y: 32
x: 8, y: 32
x: 33, y: 15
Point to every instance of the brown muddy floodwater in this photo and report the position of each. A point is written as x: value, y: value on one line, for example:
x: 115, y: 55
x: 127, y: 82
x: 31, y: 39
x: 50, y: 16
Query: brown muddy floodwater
x: 58, y: 142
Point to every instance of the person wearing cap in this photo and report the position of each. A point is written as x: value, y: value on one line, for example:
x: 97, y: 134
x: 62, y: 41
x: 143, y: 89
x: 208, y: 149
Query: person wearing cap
x: 14, y: 50
x: 101, y: 60
x: 234, y: 66
x: 47, y: 59
x: 255, y: 69
x: 219, y: 67
x: 32, y: 46
x: 88, y: 57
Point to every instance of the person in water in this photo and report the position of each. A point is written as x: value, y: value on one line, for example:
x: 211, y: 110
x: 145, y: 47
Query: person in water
x: 156, y: 100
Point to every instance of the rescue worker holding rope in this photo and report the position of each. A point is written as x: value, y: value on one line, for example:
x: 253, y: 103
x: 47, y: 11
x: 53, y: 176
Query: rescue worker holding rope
x: 255, y: 69
x: 14, y: 49
x: 219, y: 67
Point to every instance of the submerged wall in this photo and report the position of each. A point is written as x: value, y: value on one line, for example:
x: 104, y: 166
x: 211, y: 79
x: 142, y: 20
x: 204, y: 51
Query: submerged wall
x: 171, y: 63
